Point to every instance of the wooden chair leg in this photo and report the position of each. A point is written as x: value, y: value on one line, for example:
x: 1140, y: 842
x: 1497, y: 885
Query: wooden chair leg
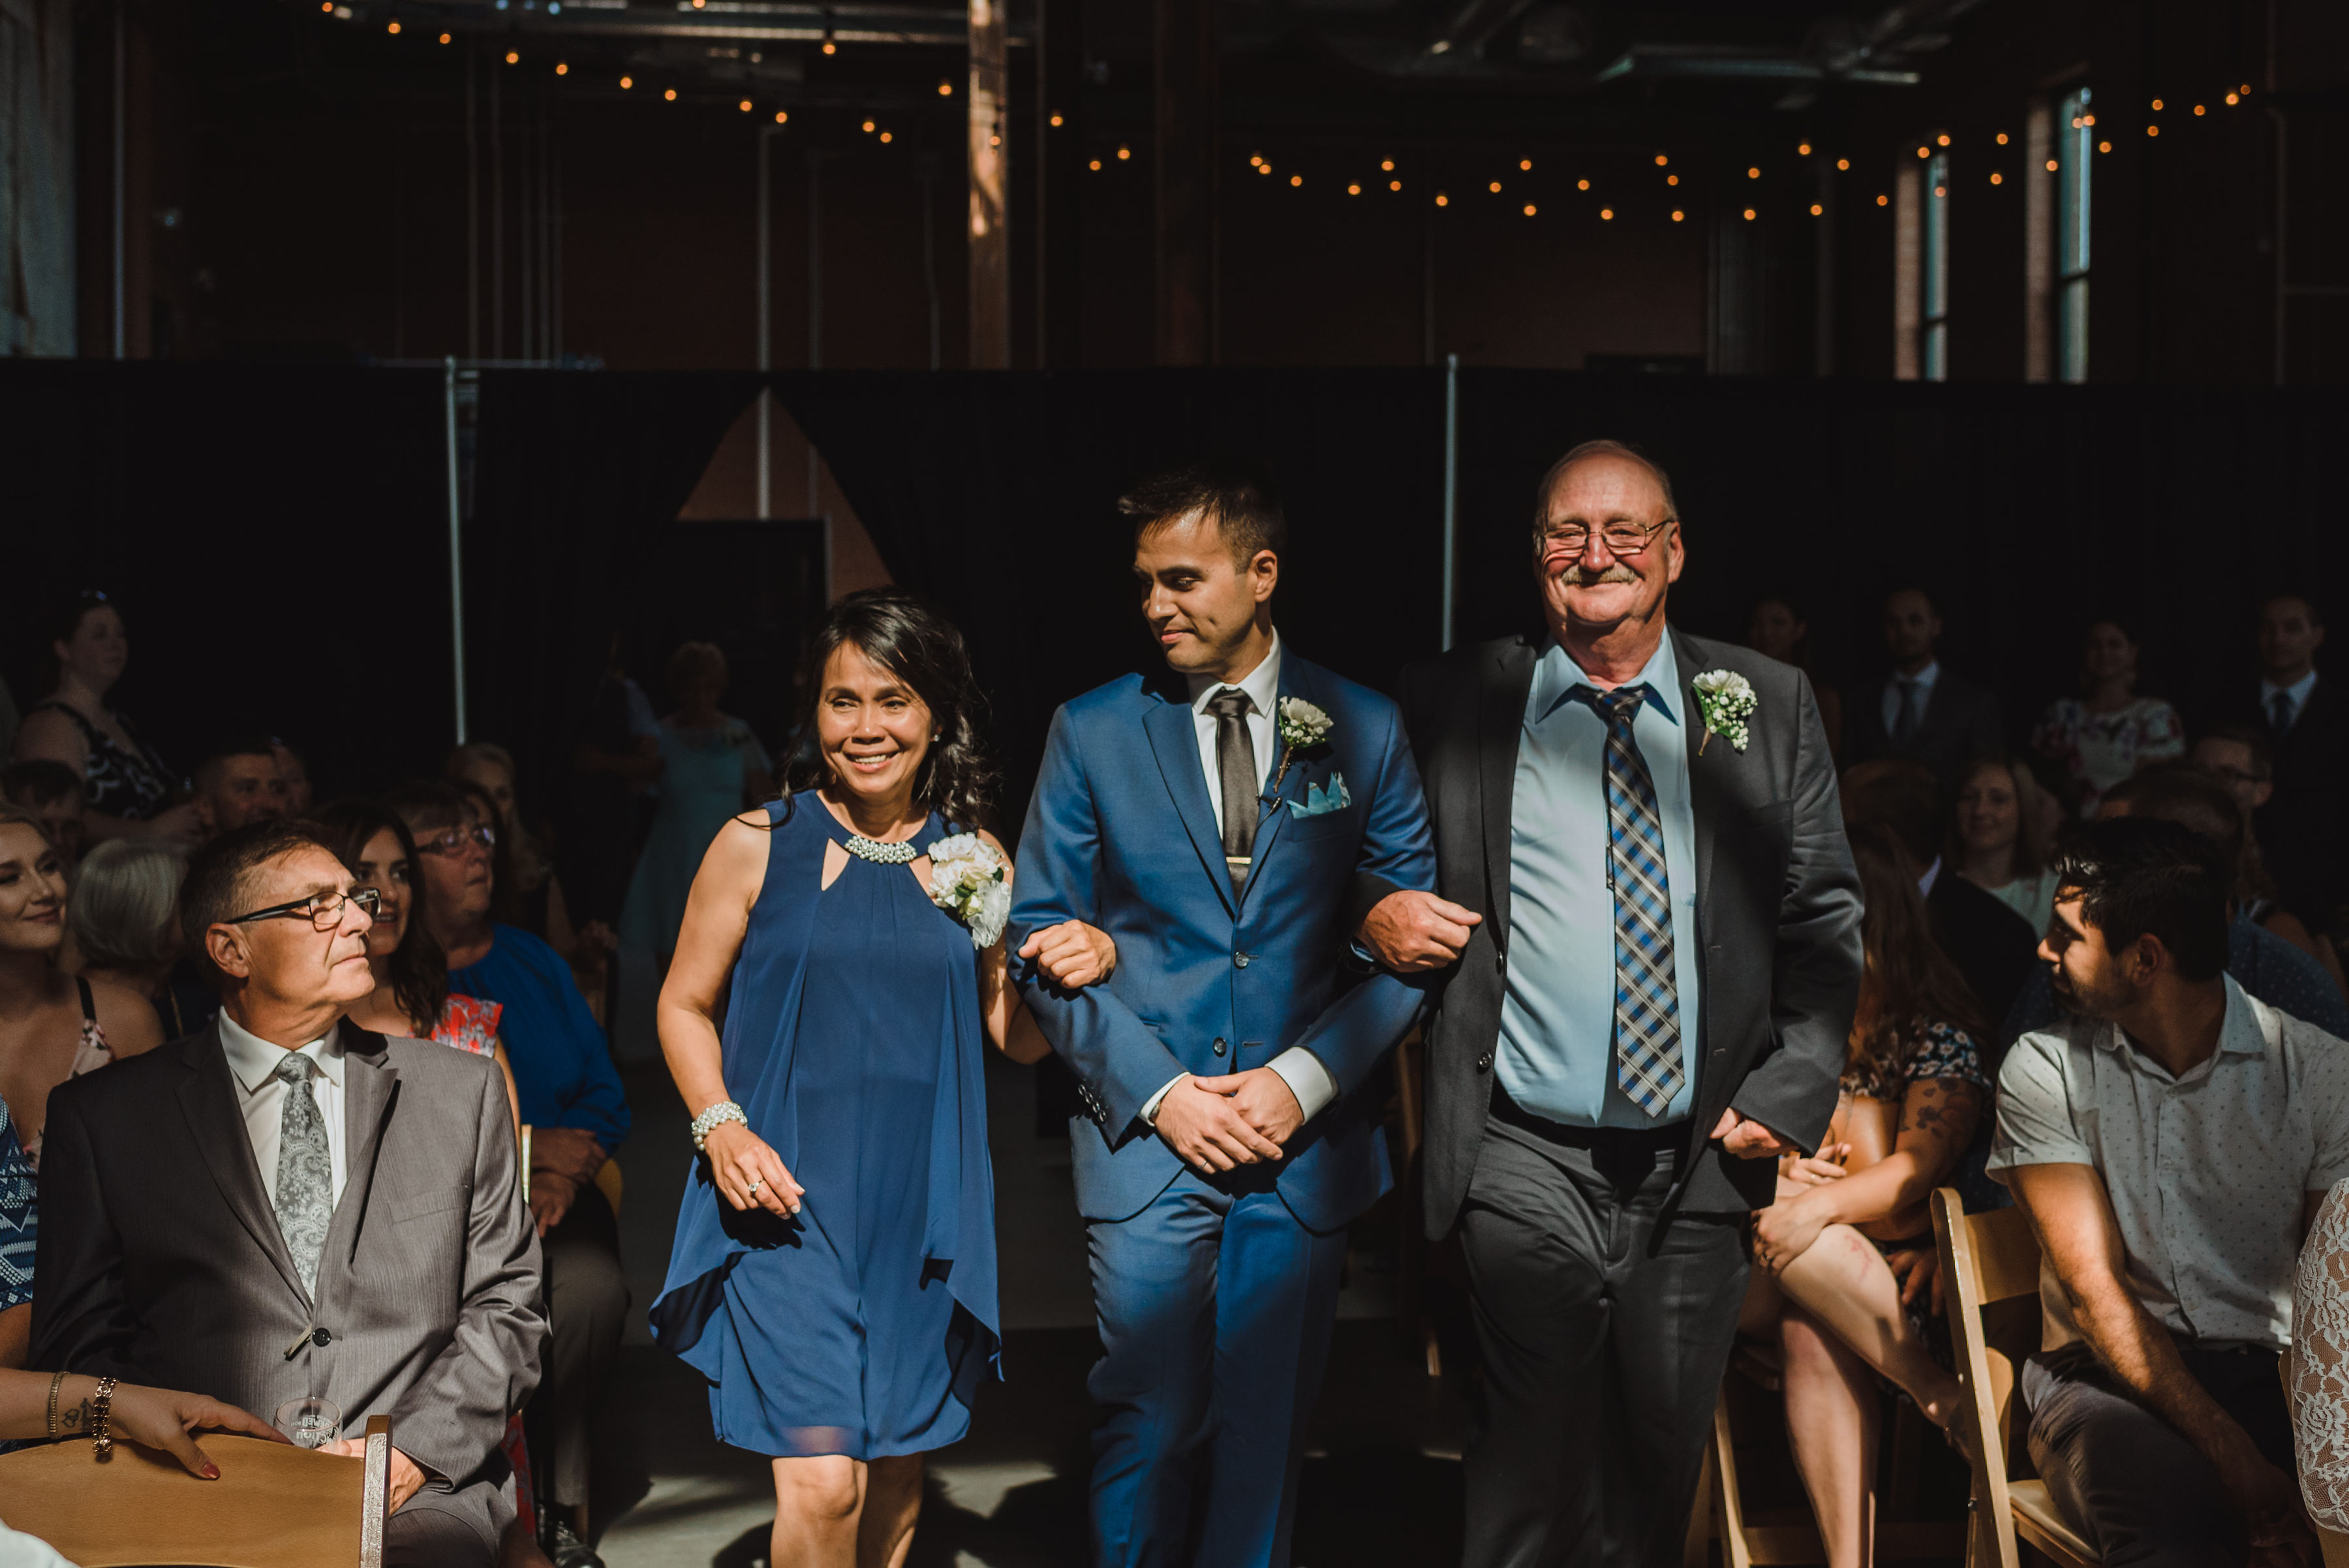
x: 1729, y: 1507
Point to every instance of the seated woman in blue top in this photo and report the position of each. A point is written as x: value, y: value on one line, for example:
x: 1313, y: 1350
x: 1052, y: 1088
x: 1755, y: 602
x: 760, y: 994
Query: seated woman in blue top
x: 570, y: 1099
x: 834, y: 1272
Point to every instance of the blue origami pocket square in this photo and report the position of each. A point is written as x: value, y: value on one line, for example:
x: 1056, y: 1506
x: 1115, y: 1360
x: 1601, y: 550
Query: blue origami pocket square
x: 1320, y: 802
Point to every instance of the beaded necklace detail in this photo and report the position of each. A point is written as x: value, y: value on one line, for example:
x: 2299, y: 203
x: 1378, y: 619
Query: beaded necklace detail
x: 873, y: 850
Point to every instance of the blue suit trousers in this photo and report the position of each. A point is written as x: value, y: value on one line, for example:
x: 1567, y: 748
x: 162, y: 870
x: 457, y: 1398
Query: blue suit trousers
x: 1216, y: 1304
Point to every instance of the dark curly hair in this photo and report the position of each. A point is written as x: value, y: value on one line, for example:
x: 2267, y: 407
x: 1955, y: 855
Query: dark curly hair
x: 911, y: 640
x: 420, y: 969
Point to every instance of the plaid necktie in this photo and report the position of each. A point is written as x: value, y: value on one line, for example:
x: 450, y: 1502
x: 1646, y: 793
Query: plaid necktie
x: 1648, y: 1067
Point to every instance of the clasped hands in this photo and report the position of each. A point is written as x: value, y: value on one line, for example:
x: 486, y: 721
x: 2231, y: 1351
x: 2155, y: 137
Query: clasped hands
x: 1220, y: 1123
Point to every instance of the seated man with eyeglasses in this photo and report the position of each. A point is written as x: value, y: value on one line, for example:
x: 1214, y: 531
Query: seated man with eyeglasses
x: 282, y: 1206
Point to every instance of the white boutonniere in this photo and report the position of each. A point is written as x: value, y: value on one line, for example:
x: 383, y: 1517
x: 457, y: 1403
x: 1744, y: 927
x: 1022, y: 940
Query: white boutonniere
x: 967, y: 881
x: 1302, y: 727
x: 1725, y: 700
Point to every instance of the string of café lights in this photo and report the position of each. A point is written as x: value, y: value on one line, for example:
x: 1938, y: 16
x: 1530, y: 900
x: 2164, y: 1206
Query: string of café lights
x: 1390, y: 176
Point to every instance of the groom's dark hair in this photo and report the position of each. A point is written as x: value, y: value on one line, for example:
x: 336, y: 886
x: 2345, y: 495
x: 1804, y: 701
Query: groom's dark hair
x: 1238, y: 496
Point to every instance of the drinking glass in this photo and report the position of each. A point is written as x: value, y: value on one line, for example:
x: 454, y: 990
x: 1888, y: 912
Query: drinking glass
x: 311, y: 1423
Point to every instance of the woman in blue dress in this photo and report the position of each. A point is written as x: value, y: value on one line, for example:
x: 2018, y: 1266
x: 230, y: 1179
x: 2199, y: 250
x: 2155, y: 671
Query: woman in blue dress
x: 834, y: 1270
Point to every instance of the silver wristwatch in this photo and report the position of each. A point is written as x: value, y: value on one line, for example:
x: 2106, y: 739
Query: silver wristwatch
x: 707, y: 1121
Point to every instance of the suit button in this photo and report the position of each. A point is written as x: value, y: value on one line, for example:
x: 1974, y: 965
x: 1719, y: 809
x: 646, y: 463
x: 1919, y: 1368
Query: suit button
x: 1241, y: 961
x: 321, y: 1337
x: 1218, y: 1047
x: 1485, y: 1062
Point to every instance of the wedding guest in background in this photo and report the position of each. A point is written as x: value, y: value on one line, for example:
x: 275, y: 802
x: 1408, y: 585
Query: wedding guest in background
x: 295, y: 771
x: 2319, y: 1394
x: 203, y: 1224
x: 833, y: 1270
x: 125, y: 785
x: 534, y: 901
x: 2109, y: 731
x: 1990, y: 943
x: 1778, y: 629
x: 615, y: 760
x: 2182, y: 792
x: 2238, y: 755
x: 20, y: 1222
x: 711, y: 768
x: 1634, y: 1030
x: 2268, y: 966
x: 237, y: 784
x: 2171, y: 1143
x: 52, y: 793
x: 411, y: 994
x: 53, y: 1026
x: 123, y: 923
x: 2307, y: 721
x: 1847, y: 1248
x: 1920, y: 710
x: 1995, y: 838
x: 571, y: 1100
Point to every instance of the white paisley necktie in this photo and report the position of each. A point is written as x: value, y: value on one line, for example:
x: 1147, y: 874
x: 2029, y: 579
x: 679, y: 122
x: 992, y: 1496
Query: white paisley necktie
x: 306, y: 1172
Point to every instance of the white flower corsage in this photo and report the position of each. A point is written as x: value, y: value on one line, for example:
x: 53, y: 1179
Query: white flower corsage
x: 1302, y: 727
x: 1725, y: 700
x: 967, y: 880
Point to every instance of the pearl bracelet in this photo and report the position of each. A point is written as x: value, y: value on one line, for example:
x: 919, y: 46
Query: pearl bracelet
x: 710, y: 1120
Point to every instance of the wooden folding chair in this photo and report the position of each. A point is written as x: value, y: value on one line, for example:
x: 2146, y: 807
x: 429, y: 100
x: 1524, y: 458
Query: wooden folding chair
x: 1750, y: 1543
x: 274, y: 1505
x: 1990, y: 1270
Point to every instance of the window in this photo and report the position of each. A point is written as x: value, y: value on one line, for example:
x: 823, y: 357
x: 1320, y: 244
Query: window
x: 2075, y: 147
x: 1935, y: 270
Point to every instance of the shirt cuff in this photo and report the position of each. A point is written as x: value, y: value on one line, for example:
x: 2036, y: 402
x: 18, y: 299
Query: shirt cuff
x: 1307, y: 1078
x: 1150, y: 1107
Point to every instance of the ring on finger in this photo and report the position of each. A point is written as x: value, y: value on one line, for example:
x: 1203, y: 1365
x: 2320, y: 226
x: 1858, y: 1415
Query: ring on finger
x: 756, y: 1183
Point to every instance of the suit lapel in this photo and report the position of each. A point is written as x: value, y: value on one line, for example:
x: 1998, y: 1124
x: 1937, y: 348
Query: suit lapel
x: 1175, y: 740
x: 368, y: 1081
x: 1500, y: 725
x: 209, y: 1101
x: 1272, y: 810
x: 1704, y: 782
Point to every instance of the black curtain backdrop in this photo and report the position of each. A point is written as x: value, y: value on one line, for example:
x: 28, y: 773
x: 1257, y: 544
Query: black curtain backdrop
x: 276, y: 538
x: 2026, y: 511
x: 277, y: 535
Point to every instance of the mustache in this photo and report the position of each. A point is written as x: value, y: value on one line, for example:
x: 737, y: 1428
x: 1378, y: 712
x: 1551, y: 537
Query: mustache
x: 1573, y: 575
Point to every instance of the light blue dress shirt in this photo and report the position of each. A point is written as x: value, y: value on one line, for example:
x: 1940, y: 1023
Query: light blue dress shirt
x: 1556, y: 1055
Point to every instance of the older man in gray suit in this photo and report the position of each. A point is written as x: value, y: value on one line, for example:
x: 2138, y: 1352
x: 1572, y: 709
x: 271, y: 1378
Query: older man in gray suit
x: 283, y: 1205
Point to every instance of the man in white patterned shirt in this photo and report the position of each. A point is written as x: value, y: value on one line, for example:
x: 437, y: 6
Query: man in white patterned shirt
x: 2170, y: 1143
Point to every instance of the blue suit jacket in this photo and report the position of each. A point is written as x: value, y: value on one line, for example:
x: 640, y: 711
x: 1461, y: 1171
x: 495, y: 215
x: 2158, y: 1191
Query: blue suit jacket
x: 1121, y: 833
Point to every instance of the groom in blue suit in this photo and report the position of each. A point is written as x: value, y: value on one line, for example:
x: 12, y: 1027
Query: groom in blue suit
x: 1214, y: 820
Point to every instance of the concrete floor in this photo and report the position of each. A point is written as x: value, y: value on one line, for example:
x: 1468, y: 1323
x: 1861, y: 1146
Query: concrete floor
x: 1381, y: 1480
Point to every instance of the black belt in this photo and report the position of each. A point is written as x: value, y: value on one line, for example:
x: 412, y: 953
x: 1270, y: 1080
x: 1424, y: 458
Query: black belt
x: 1602, y: 1142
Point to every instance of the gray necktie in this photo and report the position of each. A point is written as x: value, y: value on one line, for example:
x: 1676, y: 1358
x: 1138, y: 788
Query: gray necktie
x: 306, y: 1172
x: 1236, y: 771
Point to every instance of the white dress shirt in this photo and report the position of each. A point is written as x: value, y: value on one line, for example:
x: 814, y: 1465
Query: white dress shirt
x: 261, y: 1094
x: 1301, y: 1070
x: 1922, y: 680
x: 2298, y: 691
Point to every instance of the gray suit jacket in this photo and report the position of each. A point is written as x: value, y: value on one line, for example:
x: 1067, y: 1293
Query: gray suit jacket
x: 1777, y: 910
x: 161, y: 1260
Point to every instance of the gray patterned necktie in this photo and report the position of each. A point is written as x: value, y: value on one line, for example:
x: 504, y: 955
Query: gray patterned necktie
x: 306, y: 1172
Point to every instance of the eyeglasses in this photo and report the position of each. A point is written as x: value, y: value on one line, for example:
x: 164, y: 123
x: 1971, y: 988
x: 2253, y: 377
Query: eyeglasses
x: 1620, y: 538
x: 454, y: 841
x: 323, y: 910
